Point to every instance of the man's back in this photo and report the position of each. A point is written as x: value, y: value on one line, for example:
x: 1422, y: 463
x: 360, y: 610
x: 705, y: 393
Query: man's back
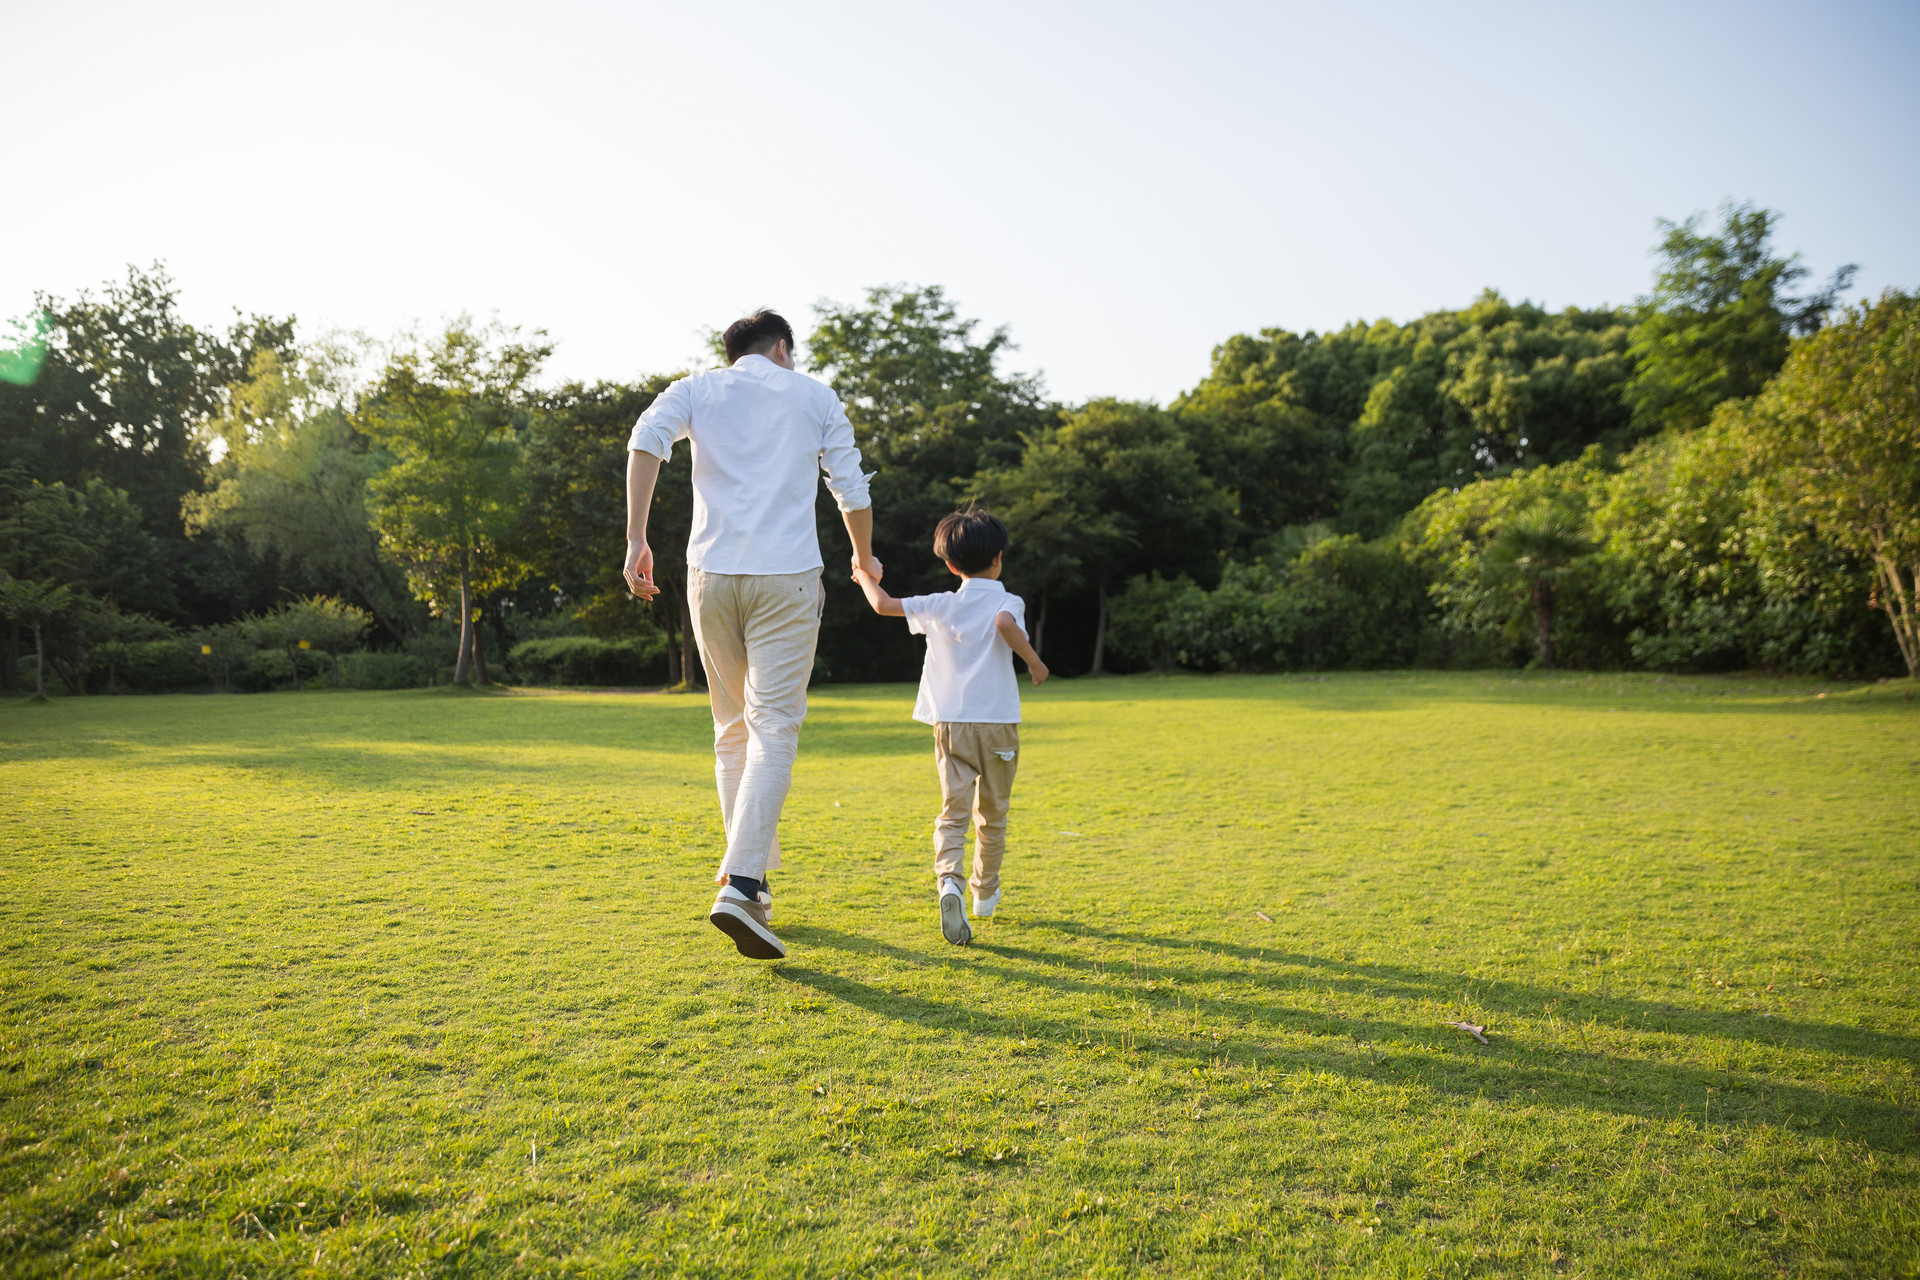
x: 758, y: 433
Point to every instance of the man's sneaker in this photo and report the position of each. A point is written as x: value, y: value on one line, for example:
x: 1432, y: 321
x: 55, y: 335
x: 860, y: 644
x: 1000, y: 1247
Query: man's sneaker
x: 745, y: 921
x: 983, y: 907
x: 953, y: 913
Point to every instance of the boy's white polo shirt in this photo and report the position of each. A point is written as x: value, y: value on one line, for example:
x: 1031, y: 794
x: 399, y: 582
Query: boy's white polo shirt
x: 968, y: 676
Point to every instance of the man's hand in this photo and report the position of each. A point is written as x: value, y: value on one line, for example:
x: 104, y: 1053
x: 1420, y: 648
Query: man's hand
x: 638, y: 570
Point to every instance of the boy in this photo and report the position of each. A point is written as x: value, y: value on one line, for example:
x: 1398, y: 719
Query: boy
x: 971, y: 697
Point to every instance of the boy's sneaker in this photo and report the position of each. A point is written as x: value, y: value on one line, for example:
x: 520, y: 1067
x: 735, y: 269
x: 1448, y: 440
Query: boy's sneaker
x: 953, y: 913
x: 983, y: 907
x: 744, y: 920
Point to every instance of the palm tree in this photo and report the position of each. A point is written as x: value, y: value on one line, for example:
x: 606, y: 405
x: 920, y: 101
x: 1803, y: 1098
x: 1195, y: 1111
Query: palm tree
x: 36, y: 603
x: 1540, y: 549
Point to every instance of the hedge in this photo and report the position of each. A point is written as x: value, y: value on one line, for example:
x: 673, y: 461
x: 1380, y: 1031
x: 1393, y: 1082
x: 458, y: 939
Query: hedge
x: 585, y: 660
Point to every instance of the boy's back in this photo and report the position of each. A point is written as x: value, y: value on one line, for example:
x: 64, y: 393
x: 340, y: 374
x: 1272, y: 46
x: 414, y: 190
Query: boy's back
x: 968, y: 674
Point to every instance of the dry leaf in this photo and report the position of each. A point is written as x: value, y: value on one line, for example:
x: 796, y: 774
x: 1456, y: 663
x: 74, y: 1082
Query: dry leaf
x: 1261, y: 915
x: 1478, y: 1033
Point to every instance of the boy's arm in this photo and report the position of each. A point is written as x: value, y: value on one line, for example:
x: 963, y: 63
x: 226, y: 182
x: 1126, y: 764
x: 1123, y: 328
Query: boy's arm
x: 883, y: 604
x: 1017, y: 641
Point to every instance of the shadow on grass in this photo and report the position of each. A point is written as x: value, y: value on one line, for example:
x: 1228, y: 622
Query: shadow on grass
x: 1210, y: 1029
x: 1494, y: 994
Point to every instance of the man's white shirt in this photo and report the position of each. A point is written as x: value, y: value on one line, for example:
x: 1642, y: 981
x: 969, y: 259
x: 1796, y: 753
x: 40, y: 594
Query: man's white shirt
x: 968, y: 676
x: 758, y: 431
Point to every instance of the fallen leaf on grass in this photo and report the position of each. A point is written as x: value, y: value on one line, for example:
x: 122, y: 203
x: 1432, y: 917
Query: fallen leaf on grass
x: 1261, y: 915
x: 1478, y: 1033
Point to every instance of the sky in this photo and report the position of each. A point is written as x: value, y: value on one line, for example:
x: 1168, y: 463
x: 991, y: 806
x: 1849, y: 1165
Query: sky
x: 1122, y: 185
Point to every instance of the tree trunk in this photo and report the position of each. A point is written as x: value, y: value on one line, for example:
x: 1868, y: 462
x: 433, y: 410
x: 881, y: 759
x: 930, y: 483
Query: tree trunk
x: 336, y: 669
x: 480, y: 677
x: 1040, y: 627
x: 39, y: 664
x: 13, y: 657
x: 1903, y: 610
x: 293, y: 655
x: 1543, y: 620
x: 466, y: 622
x: 497, y: 619
x: 1100, y: 638
x: 675, y: 665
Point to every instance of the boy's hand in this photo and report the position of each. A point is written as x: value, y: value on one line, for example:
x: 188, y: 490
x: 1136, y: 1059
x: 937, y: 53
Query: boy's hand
x: 1038, y: 671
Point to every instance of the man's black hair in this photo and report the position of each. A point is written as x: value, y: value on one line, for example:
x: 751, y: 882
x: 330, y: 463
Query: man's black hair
x: 755, y: 335
x: 969, y: 540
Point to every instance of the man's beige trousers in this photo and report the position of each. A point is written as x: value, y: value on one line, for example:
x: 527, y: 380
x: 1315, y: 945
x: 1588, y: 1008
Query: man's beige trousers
x: 976, y: 763
x: 757, y: 634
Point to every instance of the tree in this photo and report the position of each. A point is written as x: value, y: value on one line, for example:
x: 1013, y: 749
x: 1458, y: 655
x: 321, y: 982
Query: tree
x: 88, y: 537
x: 1358, y: 425
x: 1537, y: 550
x: 1719, y: 320
x: 931, y: 410
x: 1503, y: 555
x: 1837, y: 436
x: 36, y: 604
x: 292, y: 481
x: 573, y: 530
x: 1115, y: 490
x: 448, y: 411
x: 122, y: 386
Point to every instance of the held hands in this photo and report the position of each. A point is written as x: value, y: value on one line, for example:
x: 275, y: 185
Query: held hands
x: 870, y: 568
x: 638, y: 570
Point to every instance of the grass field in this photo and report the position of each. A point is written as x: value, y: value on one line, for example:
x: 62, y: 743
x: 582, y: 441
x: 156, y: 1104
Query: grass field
x: 421, y: 983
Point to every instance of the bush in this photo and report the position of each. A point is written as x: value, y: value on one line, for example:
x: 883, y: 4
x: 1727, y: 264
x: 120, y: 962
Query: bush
x: 269, y: 670
x: 151, y: 666
x: 383, y: 671
x: 1339, y: 603
x: 585, y: 660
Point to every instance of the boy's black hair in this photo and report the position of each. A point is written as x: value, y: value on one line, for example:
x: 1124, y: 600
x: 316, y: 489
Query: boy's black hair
x: 969, y: 540
x: 755, y: 334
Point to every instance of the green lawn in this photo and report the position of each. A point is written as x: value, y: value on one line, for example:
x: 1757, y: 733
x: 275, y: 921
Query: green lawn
x: 382, y: 984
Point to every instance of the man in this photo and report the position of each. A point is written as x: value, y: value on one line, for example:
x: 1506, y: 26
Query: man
x: 759, y: 429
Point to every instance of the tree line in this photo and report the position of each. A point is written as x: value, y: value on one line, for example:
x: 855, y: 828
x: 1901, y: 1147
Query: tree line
x: 1724, y: 474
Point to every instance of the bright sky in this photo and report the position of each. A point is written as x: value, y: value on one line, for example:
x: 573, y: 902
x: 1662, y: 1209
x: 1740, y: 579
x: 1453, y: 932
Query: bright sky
x: 1124, y: 185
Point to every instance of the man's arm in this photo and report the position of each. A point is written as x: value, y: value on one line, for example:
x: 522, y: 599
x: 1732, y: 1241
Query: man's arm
x: 860, y: 529
x: 1016, y: 640
x: 643, y: 471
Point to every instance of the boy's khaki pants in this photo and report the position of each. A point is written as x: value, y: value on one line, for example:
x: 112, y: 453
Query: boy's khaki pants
x: 976, y: 763
x: 756, y: 634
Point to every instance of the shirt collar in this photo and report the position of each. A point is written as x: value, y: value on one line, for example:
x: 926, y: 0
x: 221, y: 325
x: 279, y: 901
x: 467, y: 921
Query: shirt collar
x: 742, y: 364
x: 982, y: 584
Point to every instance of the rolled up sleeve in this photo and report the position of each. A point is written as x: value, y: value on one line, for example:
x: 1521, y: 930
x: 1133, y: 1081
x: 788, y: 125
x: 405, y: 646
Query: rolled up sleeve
x: 666, y: 420
x: 840, y: 460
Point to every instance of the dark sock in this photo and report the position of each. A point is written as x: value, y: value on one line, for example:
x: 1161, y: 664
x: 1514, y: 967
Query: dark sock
x: 747, y: 885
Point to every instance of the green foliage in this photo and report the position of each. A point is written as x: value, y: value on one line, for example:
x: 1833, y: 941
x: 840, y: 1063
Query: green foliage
x: 87, y: 536
x: 1837, y: 438
x: 449, y: 411
x: 574, y: 525
x: 125, y: 383
x: 383, y: 671
x: 585, y: 660
x: 292, y: 481
x: 158, y: 665
x: 1718, y: 321
x: 1340, y: 603
x: 318, y: 622
x: 1401, y: 410
x: 1485, y: 546
x: 930, y: 410
x: 1114, y: 491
